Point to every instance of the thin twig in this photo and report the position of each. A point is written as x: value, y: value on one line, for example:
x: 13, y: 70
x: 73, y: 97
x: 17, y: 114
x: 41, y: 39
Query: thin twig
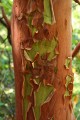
x: 6, y: 22
x: 2, y: 22
x: 76, y: 50
x: 5, y: 18
x: 77, y: 1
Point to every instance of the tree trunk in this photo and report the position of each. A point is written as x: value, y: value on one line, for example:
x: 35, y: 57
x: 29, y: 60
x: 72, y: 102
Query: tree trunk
x: 41, y: 33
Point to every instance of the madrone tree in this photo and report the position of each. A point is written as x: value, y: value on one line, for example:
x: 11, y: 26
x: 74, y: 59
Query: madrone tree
x: 41, y: 42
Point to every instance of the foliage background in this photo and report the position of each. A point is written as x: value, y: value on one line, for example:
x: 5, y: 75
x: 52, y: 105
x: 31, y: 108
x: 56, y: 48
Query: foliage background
x: 76, y: 60
x: 7, y: 93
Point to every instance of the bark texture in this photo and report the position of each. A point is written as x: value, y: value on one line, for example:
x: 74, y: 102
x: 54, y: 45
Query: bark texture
x: 41, y: 34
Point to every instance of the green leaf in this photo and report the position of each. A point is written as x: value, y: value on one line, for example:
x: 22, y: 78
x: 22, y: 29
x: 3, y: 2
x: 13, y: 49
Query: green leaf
x: 78, y: 117
x: 1, y: 104
x: 1, y: 118
x: 3, y: 5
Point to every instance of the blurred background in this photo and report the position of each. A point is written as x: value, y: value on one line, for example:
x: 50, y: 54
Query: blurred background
x: 7, y: 93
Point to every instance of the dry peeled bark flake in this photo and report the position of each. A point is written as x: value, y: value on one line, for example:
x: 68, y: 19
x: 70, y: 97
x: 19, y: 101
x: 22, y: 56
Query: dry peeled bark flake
x: 67, y: 62
x: 31, y: 6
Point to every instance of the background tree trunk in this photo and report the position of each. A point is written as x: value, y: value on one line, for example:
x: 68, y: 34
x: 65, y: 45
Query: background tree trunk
x: 41, y: 33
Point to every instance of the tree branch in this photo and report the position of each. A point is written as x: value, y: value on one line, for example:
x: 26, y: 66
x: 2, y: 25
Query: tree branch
x: 77, y: 1
x: 5, y: 18
x: 2, y: 22
x: 6, y: 22
x: 76, y: 50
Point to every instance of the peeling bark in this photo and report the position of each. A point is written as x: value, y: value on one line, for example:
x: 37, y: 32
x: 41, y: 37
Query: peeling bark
x: 42, y: 59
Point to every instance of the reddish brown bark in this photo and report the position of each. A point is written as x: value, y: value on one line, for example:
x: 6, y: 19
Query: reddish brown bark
x: 59, y: 110
x: 58, y: 106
